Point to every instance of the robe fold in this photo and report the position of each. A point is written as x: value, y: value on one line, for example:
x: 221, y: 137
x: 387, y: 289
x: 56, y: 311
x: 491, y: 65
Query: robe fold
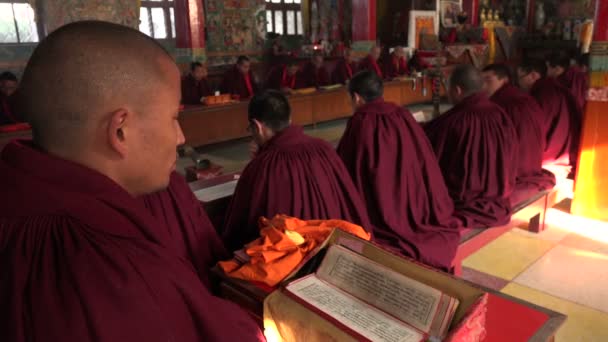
x: 312, y: 77
x: 394, y: 66
x: 83, y: 260
x: 394, y: 169
x: 577, y: 81
x: 279, y: 78
x: 296, y: 175
x: 236, y: 83
x: 561, y: 121
x: 343, y: 72
x: 476, y: 146
x: 193, y: 90
x: 526, y: 116
x: 368, y: 63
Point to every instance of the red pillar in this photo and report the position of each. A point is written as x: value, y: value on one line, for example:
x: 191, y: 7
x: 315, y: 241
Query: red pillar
x: 190, y: 27
x: 364, y: 20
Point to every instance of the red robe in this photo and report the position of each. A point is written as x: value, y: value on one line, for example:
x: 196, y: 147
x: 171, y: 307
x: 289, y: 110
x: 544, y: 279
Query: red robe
x: 279, y: 78
x: 577, y: 82
x: 343, y: 72
x: 395, y: 170
x: 368, y: 63
x: 476, y: 145
x: 312, y: 77
x: 236, y: 83
x: 193, y: 90
x: 296, y: 175
x: 526, y: 115
x: 394, y: 67
x: 561, y: 120
x: 82, y: 260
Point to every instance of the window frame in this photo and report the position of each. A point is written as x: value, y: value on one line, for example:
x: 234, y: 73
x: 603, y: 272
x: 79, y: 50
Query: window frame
x: 284, y: 8
x: 166, y: 5
x: 38, y: 22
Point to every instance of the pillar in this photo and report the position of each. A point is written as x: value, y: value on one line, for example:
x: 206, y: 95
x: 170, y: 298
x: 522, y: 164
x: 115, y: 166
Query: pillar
x: 591, y: 195
x: 364, y: 20
x: 189, y: 30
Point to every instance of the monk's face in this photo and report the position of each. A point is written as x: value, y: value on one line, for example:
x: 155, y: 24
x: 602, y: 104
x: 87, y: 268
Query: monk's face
x: 491, y: 82
x: 8, y: 87
x: 317, y: 61
x: 244, y: 67
x: 526, y: 80
x: 293, y: 69
x: 199, y: 73
x: 399, y: 52
x: 375, y: 53
x: 348, y: 55
x: 554, y: 71
x: 153, y: 135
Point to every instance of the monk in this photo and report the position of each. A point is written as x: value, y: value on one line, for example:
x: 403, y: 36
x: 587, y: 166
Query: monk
x: 291, y: 173
x: 100, y: 240
x: 395, y: 64
x: 394, y: 169
x: 561, y: 114
x: 525, y: 114
x: 570, y: 76
x: 371, y: 62
x: 345, y: 68
x: 239, y: 80
x: 194, y: 85
x: 8, y: 86
x: 583, y: 62
x: 284, y: 77
x: 313, y: 74
x: 476, y: 145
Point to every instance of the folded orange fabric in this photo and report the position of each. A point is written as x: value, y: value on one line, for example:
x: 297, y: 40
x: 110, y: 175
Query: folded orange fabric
x: 284, y: 242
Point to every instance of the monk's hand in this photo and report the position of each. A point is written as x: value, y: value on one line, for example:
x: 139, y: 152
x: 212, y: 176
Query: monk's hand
x: 287, y: 90
x: 253, y: 148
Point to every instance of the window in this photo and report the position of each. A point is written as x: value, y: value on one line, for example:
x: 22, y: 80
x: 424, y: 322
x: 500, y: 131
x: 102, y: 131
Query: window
x: 17, y: 24
x: 284, y: 17
x: 157, y: 18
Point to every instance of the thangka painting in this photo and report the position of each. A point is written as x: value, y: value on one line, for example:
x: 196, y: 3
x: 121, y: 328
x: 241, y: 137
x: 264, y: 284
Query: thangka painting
x: 449, y: 12
x: 421, y: 22
x: 62, y: 12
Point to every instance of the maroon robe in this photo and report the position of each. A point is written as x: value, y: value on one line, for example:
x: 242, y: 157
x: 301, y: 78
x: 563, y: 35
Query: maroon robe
x: 368, y: 63
x: 476, y: 145
x: 561, y: 120
x: 343, y: 72
x: 312, y: 77
x: 526, y: 114
x: 8, y: 115
x: 279, y: 78
x: 395, y: 170
x: 577, y: 82
x: 394, y: 67
x: 236, y: 83
x: 296, y: 175
x: 193, y: 90
x: 82, y: 260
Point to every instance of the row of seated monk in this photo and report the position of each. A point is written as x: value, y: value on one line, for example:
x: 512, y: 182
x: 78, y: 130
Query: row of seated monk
x: 241, y: 82
x: 8, y: 86
x: 101, y: 240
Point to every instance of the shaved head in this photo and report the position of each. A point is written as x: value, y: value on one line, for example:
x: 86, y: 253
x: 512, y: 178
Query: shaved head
x: 465, y: 80
x: 105, y: 96
x: 375, y: 52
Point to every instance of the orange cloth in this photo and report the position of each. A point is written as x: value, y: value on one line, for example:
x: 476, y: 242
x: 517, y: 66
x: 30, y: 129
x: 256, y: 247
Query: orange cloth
x: 275, y: 255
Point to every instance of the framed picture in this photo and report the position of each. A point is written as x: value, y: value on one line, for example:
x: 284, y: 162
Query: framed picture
x: 421, y: 22
x: 449, y: 12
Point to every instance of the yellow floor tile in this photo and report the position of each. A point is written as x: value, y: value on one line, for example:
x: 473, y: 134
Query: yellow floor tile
x: 583, y: 324
x: 508, y: 255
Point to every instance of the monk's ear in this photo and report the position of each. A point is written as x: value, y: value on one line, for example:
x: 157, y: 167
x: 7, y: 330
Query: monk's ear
x: 118, y: 132
x: 258, y: 126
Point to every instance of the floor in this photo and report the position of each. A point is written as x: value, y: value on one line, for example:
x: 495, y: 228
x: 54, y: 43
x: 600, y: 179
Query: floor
x: 564, y: 268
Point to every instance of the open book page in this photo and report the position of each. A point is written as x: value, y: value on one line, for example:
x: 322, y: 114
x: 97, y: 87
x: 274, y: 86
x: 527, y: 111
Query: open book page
x: 415, y: 303
x: 360, y: 317
x: 217, y: 191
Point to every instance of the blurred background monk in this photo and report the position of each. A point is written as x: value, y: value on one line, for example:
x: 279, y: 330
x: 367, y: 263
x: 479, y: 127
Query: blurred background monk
x: 561, y: 115
x: 194, y: 85
x: 85, y: 255
x: 395, y: 64
x: 239, y: 80
x: 313, y: 74
x: 526, y: 116
x: 569, y: 76
x: 371, y: 61
x: 345, y: 68
x: 284, y: 77
x: 291, y: 173
x: 395, y: 170
x: 8, y: 86
x: 476, y: 145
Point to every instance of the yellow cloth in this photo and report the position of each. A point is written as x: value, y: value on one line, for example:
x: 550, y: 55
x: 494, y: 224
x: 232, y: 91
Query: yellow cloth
x: 283, y: 244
